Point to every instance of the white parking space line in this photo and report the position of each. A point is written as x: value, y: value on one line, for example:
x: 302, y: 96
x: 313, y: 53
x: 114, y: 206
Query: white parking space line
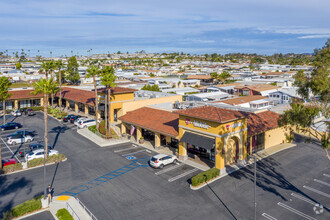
x: 124, y: 155
x: 10, y: 150
x: 303, y: 198
x: 169, y: 169
x: 320, y: 181
x: 268, y: 216
x: 317, y: 191
x: 295, y: 211
x: 326, y: 175
x: 182, y: 175
x: 121, y: 150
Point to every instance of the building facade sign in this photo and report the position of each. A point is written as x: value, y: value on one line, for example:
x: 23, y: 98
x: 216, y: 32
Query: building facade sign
x: 235, y: 125
x: 198, y: 124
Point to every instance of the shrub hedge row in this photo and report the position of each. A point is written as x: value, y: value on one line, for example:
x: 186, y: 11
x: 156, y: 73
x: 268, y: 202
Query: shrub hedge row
x: 63, y: 214
x: 205, y: 176
x: 12, y: 168
x: 21, y: 209
x: 50, y: 159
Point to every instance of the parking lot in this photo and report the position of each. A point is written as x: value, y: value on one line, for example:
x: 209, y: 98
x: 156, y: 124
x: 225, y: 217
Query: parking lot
x: 117, y: 182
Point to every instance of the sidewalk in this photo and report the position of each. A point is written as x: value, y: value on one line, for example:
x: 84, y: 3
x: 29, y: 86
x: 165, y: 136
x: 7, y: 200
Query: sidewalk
x: 71, y: 204
x: 259, y: 156
x: 101, y: 141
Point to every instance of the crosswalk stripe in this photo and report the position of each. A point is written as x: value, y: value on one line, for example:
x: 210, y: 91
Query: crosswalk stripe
x: 182, y: 175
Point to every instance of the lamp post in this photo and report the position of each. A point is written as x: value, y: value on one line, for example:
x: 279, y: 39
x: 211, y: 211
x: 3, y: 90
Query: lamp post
x: 255, y: 187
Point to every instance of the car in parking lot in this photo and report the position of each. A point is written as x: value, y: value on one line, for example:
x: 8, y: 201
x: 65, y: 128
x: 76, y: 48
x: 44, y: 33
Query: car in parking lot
x: 33, y: 147
x: 39, y: 154
x: 86, y: 123
x: 79, y: 120
x: 161, y: 160
x: 74, y: 118
x: 8, y: 162
x: 10, y: 125
x: 67, y: 118
x: 29, y: 112
x: 19, y: 139
x: 16, y: 113
x: 22, y: 132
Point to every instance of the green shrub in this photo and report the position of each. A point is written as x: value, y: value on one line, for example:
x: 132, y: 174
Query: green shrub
x: 26, y: 207
x: 50, y: 159
x: 205, y: 176
x: 102, y: 129
x: 63, y: 214
x: 12, y: 168
x: 39, y: 108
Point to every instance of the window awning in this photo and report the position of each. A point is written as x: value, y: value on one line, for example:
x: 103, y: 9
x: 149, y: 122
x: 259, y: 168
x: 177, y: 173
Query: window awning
x: 198, y: 140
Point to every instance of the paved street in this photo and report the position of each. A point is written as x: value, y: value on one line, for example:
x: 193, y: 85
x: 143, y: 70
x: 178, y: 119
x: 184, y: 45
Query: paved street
x: 116, y: 183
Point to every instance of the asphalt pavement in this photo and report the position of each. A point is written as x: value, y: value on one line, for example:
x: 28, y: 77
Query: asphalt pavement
x: 116, y: 182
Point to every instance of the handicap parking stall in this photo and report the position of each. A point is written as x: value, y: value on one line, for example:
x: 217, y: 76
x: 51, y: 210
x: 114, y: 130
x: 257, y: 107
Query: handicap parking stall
x: 313, y: 194
x: 177, y: 172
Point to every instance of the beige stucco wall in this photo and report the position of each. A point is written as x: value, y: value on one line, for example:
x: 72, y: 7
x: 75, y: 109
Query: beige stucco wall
x: 133, y: 105
x: 274, y: 137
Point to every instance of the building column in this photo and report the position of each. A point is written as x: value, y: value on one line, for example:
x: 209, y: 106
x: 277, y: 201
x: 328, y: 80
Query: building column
x: 98, y: 114
x: 41, y: 101
x: 157, y: 140
x: 16, y: 104
x: 76, y: 107
x: 86, y: 109
x: 60, y: 102
x: 219, y: 153
x: 168, y: 140
x: 123, y: 128
x: 138, y: 133
x: 183, y: 151
x: 67, y: 103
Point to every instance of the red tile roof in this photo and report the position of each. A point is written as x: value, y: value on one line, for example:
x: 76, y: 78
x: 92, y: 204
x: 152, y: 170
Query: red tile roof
x: 207, y: 77
x: 212, y: 113
x: 118, y: 90
x: 78, y: 95
x: 156, y: 120
x: 262, y: 122
x: 258, y: 87
x: 23, y: 94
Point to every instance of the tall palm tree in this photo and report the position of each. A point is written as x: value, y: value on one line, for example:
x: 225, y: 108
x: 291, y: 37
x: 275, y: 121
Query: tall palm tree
x: 45, y: 87
x: 108, y: 80
x: 4, y: 95
x: 59, y: 65
x: 94, y: 71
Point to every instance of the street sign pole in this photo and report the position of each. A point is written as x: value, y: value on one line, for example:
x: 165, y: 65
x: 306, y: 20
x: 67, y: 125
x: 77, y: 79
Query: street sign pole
x: 255, y: 187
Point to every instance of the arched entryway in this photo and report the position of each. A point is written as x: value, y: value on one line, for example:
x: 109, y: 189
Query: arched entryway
x: 232, y: 150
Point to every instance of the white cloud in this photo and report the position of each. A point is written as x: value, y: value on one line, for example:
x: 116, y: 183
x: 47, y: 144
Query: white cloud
x: 315, y: 36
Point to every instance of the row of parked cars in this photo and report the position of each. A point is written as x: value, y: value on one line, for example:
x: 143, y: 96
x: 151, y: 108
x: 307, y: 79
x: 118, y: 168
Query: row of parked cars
x: 27, y: 111
x: 80, y: 121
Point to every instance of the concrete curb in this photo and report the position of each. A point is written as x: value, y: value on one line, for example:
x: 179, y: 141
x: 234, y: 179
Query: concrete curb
x: 32, y: 213
x: 47, y: 164
x: 238, y: 168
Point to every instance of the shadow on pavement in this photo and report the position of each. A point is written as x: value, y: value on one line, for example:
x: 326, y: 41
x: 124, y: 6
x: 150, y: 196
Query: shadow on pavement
x: 58, y: 130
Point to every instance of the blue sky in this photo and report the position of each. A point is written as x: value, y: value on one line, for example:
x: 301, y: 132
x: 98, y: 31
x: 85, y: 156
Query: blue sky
x: 197, y: 27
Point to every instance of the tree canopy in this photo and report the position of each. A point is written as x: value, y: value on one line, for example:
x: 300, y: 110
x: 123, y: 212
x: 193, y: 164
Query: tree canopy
x: 72, y: 74
x: 314, y: 89
x: 151, y: 88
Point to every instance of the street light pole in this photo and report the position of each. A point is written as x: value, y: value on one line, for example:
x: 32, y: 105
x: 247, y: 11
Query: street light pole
x: 255, y: 187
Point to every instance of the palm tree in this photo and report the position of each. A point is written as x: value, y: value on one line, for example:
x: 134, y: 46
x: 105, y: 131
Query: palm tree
x: 4, y: 95
x: 45, y: 87
x: 59, y: 65
x: 94, y: 71
x: 108, y: 80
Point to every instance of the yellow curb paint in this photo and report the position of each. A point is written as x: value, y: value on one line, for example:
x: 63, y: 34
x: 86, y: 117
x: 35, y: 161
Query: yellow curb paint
x: 63, y: 198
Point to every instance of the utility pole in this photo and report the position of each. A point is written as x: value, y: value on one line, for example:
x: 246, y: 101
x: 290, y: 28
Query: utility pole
x: 255, y: 187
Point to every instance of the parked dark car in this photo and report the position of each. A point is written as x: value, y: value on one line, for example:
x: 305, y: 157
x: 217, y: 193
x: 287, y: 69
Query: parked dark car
x: 10, y: 125
x: 32, y: 147
x: 8, y: 162
x: 72, y: 119
x: 29, y: 112
x: 67, y: 118
x: 22, y: 132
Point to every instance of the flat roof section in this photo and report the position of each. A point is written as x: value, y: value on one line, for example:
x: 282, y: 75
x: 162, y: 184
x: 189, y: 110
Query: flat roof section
x: 164, y: 122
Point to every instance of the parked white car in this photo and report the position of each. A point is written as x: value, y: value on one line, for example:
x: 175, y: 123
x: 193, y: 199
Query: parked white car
x: 19, y: 139
x: 161, y: 160
x: 86, y: 123
x: 16, y: 113
x: 39, y: 154
x: 79, y: 120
